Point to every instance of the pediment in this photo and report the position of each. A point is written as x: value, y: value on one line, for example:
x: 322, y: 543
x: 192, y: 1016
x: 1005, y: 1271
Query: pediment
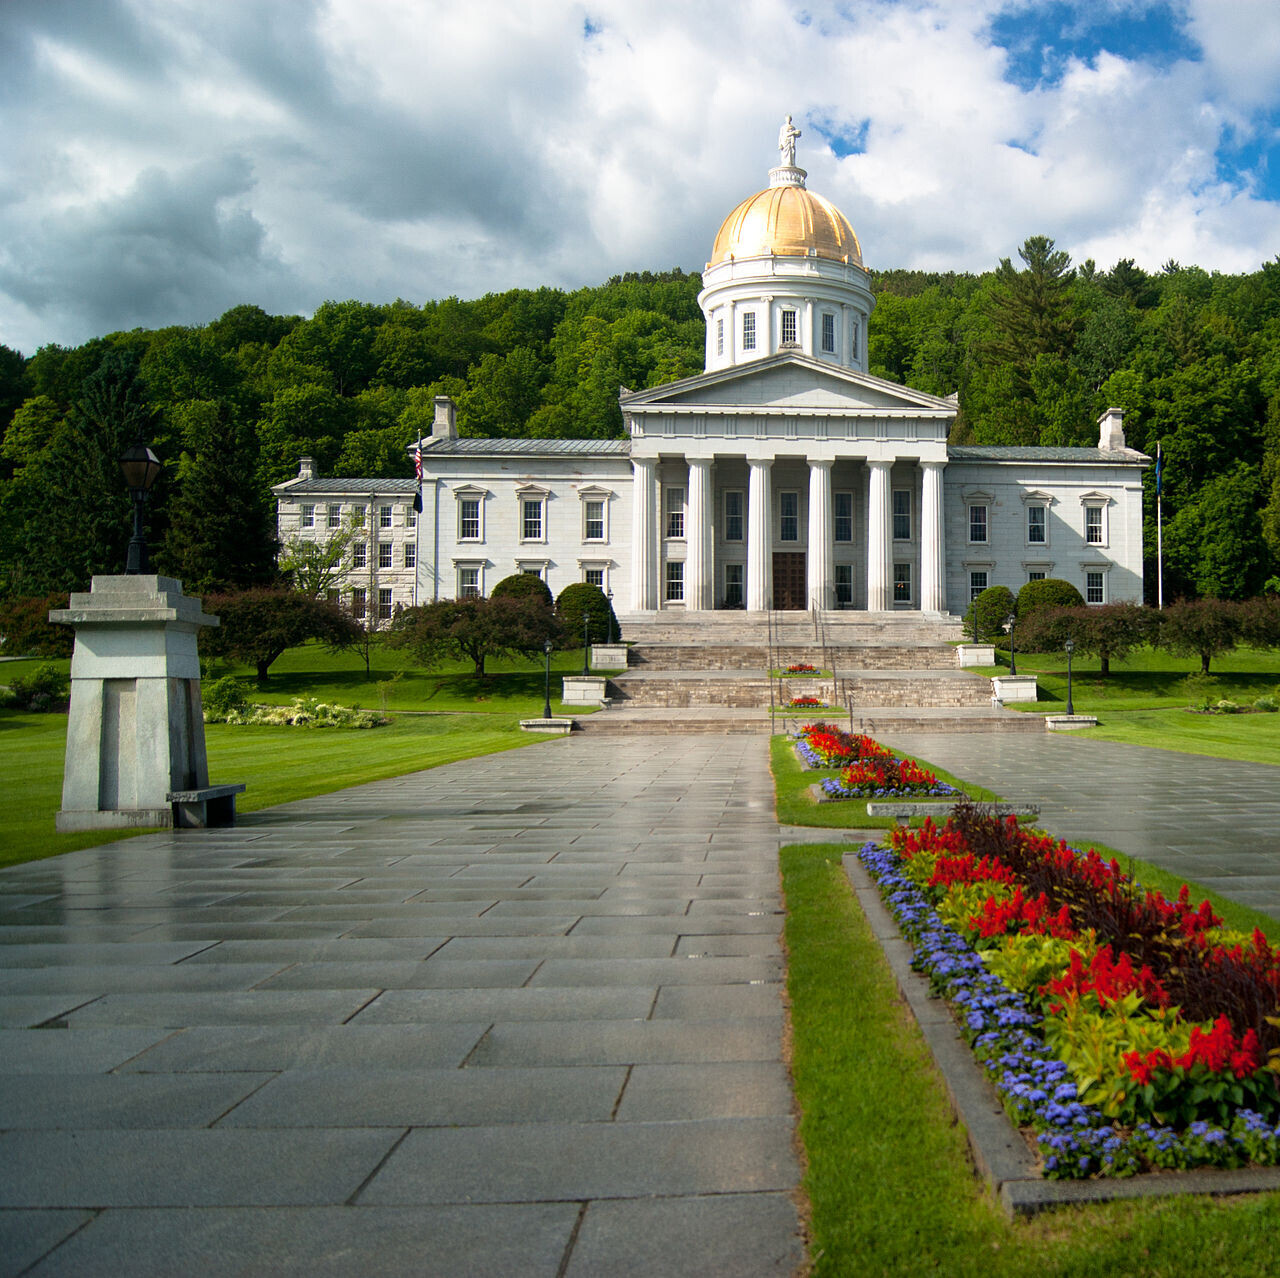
x: 786, y: 382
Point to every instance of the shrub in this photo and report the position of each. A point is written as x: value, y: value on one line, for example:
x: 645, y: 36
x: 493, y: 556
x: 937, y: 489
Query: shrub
x: 1203, y: 628
x: 581, y: 598
x: 44, y: 690
x: 1268, y: 705
x: 26, y: 631
x: 988, y: 613
x: 1227, y: 707
x: 522, y: 585
x: 1050, y: 592
x: 224, y: 697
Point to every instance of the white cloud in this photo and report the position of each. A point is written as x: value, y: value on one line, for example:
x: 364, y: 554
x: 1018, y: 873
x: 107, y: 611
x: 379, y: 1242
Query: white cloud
x: 165, y: 159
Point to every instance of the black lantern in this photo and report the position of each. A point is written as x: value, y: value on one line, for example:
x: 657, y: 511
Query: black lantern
x: 586, y: 643
x: 141, y: 468
x: 1010, y: 621
x: 546, y: 698
x: 1070, y: 646
x: 609, y: 596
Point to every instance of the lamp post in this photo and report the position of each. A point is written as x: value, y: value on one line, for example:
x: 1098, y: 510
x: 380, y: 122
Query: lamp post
x: 609, y: 597
x: 1070, y: 646
x: 586, y: 642
x: 546, y: 686
x: 1010, y: 620
x: 140, y: 467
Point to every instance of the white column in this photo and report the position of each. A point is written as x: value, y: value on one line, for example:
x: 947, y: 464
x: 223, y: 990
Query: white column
x: 878, y: 542
x: 807, y: 343
x: 759, y: 543
x: 933, y: 578
x: 698, y: 592
x: 821, y: 561
x: 644, y: 539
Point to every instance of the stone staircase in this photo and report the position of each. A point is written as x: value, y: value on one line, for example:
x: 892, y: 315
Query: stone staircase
x: 710, y: 672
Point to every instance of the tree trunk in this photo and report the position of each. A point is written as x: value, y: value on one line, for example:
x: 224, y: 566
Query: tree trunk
x: 1204, y: 663
x: 263, y: 667
x: 479, y: 670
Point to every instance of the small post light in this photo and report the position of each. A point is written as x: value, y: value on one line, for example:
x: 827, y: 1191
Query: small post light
x: 546, y: 686
x: 609, y: 597
x: 586, y: 642
x: 1070, y: 646
x: 140, y: 467
x: 1010, y: 621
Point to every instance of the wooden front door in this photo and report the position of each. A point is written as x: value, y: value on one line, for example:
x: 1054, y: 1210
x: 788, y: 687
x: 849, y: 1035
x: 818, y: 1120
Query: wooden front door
x: 789, y: 580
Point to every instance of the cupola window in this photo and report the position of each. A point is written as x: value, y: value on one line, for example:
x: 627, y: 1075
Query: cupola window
x: 788, y: 326
x: 828, y: 333
x: 749, y: 331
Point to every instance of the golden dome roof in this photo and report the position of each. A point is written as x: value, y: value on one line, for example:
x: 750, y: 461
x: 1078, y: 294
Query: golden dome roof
x: 786, y: 221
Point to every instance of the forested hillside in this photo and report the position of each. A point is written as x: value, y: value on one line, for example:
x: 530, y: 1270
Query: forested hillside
x: 1036, y: 350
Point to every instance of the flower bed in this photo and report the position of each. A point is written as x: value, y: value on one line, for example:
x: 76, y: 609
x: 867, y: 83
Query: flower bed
x: 802, y: 668
x: 807, y: 703
x: 1125, y: 1031
x: 306, y: 712
x: 890, y: 778
x: 822, y: 745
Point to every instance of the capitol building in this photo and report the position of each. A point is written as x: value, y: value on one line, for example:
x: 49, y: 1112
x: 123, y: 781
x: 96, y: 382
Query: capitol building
x: 784, y: 476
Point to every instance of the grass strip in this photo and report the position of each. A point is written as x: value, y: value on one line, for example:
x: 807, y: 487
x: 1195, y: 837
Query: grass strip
x: 890, y: 1185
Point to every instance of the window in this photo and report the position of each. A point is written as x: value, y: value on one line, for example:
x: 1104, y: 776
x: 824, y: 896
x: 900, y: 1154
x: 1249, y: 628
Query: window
x: 384, y: 516
x: 1037, y: 525
x: 410, y: 555
x: 359, y: 602
x: 359, y: 555
x: 675, y: 512
x: 384, y: 605
x: 901, y: 583
x: 788, y: 326
x: 843, y: 516
x: 1035, y: 575
x: 977, y: 584
x: 853, y: 341
x: 468, y: 581
x: 308, y: 516
x: 384, y: 554
x: 788, y: 516
x: 333, y: 516
x: 469, y: 519
x: 1092, y: 525
x: 593, y: 521
x: 593, y: 577
x: 828, y: 333
x: 978, y: 524
x: 675, y: 581
x: 720, y: 337
x: 1095, y: 588
x: 901, y: 514
x: 733, y: 583
x: 749, y: 331
x: 844, y: 584
x: 333, y: 596
x: 733, y: 503
x: 410, y: 517
x: 531, y: 519
x: 357, y: 516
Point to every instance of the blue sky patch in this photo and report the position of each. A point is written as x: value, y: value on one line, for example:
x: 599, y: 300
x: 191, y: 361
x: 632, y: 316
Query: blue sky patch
x: 843, y: 139
x: 1253, y: 160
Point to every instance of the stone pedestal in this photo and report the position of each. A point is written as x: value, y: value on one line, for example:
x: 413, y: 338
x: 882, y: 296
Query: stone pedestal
x: 1014, y: 688
x: 135, y: 734
x: 583, y: 690
x: 608, y: 656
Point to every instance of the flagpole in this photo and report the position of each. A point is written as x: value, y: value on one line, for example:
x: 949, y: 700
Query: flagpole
x: 417, y: 523
x: 1159, y: 531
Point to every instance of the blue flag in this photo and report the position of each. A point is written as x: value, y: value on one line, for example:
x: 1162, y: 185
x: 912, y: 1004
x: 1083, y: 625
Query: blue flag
x: 1159, y: 469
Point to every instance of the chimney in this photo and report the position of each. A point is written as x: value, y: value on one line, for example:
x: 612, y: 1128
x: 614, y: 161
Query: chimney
x: 1111, y: 430
x: 445, y: 425
x: 307, y: 468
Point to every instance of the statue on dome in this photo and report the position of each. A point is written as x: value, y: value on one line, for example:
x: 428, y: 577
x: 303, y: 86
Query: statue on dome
x: 787, y: 142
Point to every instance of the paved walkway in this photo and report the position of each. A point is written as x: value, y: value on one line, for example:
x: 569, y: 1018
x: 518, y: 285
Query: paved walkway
x: 520, y: 1015
x: 1211, y: 820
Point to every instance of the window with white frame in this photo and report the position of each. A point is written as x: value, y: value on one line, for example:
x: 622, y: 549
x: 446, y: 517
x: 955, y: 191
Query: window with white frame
x: 359, y: 602
x: 844, y: 584
x: 853, y: 341
x: 1037, y: 524
x: 469, y: 528
x: 410, y: 517
x: 1095, y: 587
x: 720, y: 336
x: 843, y: 506
x: 532, y: 517
x: 359, y: 554
x: 901, y: 583
x: 1036, y: 574
x: 333, y: 596
x: 308, y: 516
x: 593, y: 577
x: 410, y: 555
x: 593, y: 520
x: 788, y: 325
x: 734, y: 501
x: 384, y: 516
x: 674, y: 501
x: 675, y: 581
x: 1095, y: 529
x: 828, y: 333
x: 978, y: 524
x: 333, y: 516
x: 468, y: 581
x: 384, y: 554
x: 357, y: 516
x: 902, y: 514
x: 977, y: 583
x: 748, y: 331
x: 384, y: 604
x: 531, y: 569
x: 734, y: 579
x: 788, y: 516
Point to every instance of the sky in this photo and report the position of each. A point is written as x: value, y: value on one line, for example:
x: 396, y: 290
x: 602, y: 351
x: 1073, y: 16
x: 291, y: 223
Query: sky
x: 164, y: 160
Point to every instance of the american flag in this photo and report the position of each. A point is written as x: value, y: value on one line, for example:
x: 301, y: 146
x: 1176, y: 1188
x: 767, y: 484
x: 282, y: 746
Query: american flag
x: 417, y: 460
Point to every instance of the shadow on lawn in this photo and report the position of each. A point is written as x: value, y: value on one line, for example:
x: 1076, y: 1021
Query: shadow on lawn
x: 409, y: 687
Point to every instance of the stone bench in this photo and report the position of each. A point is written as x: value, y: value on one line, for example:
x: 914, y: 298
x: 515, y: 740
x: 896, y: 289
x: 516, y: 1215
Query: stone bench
x: 904, y: 809
x: 211, y: 805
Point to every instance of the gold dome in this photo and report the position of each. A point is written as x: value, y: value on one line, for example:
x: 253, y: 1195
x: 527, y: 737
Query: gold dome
x: 786, y: 221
